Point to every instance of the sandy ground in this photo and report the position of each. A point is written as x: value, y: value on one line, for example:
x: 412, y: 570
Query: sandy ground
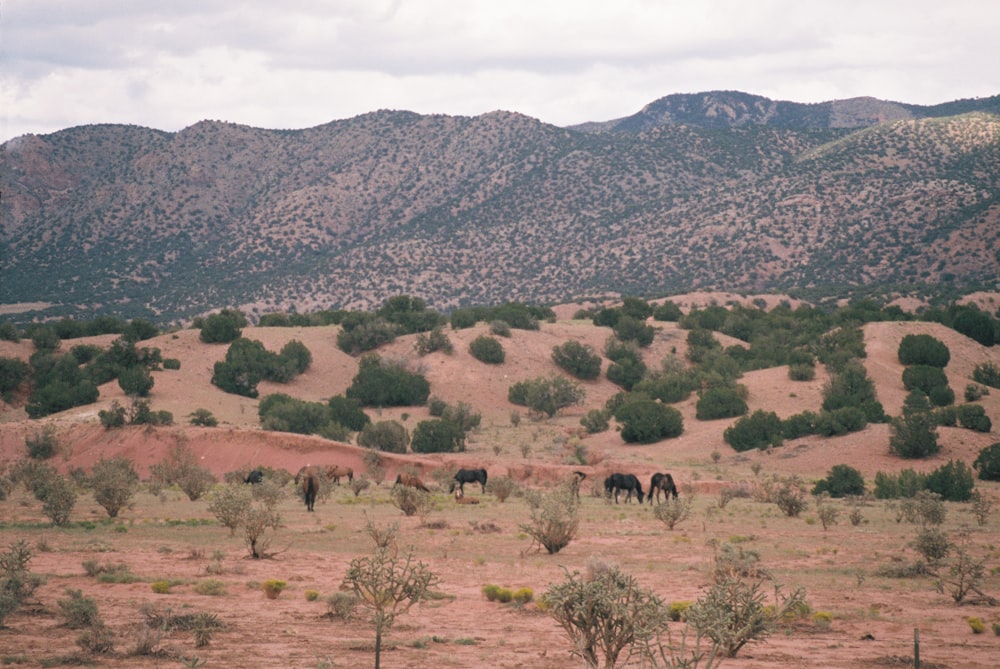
x: 172, y: 538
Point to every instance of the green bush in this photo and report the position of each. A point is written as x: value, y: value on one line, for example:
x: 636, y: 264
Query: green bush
x: 923, y: 349
x: 975, y: 392
x: 758, y: 430
x: 409, y: 314
x: 13, y: 372
x: 720, y: 402
x: 841, y: 481
x: 976, y: 325
x: 973, y: 417
x: 987, y: 374
x: 203, y: 418
x: 913, y: 435
x: 953, y: 481
x: 987, y: 463
x: 386, y: 384
x: 851, y: 387
x: 487, y: 349
x: 520, y: 316
x: 77, y: 611
x: 668, y: 311
x: 387, y: 436
x: 839, y: 421
x: 348, y: 412
x: 223, y: 327
x: 577, y: 359
x: 171, y: 363
x: 546, y: 395
x: 668, y: 388
x: 438, y: 436
x: 647, y: 421
x: 799, y: 425
x: 906, y: 484
x: 630, y: 329
x: 43, y: 444
x: 924, y: 378
x: 282, y: 413
x: 596, y: 420
x: 114, y: 482
x: 365, y: 334
x: 435, y: 340
x: 136, y: 381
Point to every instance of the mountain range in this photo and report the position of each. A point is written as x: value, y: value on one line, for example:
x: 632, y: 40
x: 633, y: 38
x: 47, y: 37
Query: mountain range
x: 719, y: 190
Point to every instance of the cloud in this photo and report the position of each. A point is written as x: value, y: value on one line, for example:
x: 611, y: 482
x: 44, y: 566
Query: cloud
x: 298, y: 63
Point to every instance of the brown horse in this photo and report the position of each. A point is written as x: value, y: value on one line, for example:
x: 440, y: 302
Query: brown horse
x: 308, y: 478
x: 335, y: 472
x: 574, y: 483
x: 411, y: 480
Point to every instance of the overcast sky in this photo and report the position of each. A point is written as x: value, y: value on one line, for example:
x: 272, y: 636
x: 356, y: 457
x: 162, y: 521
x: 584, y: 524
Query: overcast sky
x: 297, y: 63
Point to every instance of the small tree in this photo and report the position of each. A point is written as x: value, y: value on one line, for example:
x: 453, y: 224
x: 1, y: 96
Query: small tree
x: 923, y: 349
x: 114, y: 482
x: 987, y: 463
x: 546, y: 395
x: 438, y: 436
x: 605, y: 613
x: 17, y: 583
x: 720, y: 402
x: 43, y: 444
x: 758, y: 430
x: 388, y: 436
x: 554, y: 519
x: 646, y: 421
x: 487, y: 349
x: 58, y: 497
x: 388, y: 583
x: 840, y: 481
x: 225, y: 326
x: 136, y: 381
x: 577, y: 359
x: 913, y: 435
x: 229, y: 504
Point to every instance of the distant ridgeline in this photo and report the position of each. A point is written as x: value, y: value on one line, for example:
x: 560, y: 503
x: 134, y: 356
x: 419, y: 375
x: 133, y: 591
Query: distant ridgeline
x: 718, y: 191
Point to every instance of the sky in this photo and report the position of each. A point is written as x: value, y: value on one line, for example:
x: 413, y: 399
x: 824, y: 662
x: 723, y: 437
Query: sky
x: 168, y: 64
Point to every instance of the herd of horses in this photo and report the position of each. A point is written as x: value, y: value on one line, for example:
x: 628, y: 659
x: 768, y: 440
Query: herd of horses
x: 308, y: 478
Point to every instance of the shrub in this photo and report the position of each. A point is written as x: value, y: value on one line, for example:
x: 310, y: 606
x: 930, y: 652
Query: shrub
x: 646, y: 421
x: 839, y: 421
x: 13, y: 373
x: 203, y: 418
x: 554, y: 519
x: 987, y: 463
x: 851, y: 387
x: 841, y: 481
x: 341, y: 605
x: 113, y: 417
x: 923, y: 349
x: 913, y: 435
x: 487, y: 349
x: 522, y: 596
x: 410, y: 500
x: 973, y: 417
x: 596, y: 420
x: 388, y: 436
x: 720, y: 402
x: 273, y: 587
x: 924, y: 378
x: 953, y: 481
x: 386, y: 384
x: 43, y: 444
x: 210, y: 587
x: 160, y: 587
x: 673, y: 511
x: 500, y: 328
x: 932, y: 543
x: 359, y: 334
x: 223, y: 327
x: 976, y: 625
x: 630, y: 329
x: 17, y: 583
x: 435, y: 340
x: 180, y: 467
x: 801, y: 372
x: 605, y: 612
x: 78, y: 611
x: 799, y: 425
x: 501, y: 487
x: 171, y: 363
x: 577, y: 359
x: 491, y: 591
x: 438, y: 436
x: 229, y: 503
x: 987, y: 373
x: 136, y: 381
x: 348, y: 412
x: 114, y: 482
x: 546, y: 394
x: 58, y: 498
x: 760, y: 429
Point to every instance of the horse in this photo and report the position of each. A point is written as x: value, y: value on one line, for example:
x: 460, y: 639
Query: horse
x: 664, y: 482
x: 462, y: 499
x: 254, y: 477
x: 468, y: 476
x: 308, y: 478
x: 410, y: 480
x: 623, y: 482
x: 334, y: 472
x: 574, y: 483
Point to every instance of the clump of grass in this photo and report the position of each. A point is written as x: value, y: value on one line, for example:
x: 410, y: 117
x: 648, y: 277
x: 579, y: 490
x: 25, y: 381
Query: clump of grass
x: 522, y: 596
x: 311, y: 595
x: 490, y: 591
x: 976, y: 624
x: 110, y: 573
x: 212, y: 587
x: 160, y: 587
x: 676, y: 610
x: 822, y: 619
x: 273, y: 587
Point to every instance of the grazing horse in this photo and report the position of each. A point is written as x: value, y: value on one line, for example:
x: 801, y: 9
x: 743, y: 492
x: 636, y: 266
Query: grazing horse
x: 256, y: 476
x: 574, y: 483
x: 468, y: 476
x: 410, y: 480
x: 664, y: 482
x: 335, y: 472
x: 308, y: 478
x: 623, y: 482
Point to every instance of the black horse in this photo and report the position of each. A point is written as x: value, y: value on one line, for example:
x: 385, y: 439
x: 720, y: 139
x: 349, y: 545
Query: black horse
x: 627, y: 483
x: 664, y: 482
x: 468, y: 476
x: 256, y: 476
